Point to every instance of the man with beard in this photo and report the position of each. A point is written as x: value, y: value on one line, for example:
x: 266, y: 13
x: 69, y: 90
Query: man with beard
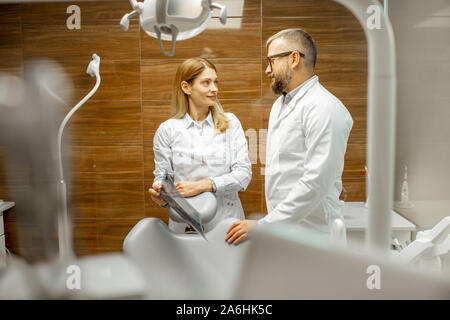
x: 306, y: 142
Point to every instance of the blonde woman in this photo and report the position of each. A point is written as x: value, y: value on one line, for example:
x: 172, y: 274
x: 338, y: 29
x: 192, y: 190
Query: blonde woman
x: 203, y: 147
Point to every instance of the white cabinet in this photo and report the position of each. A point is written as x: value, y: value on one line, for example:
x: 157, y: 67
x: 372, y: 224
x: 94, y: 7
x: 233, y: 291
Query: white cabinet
x: 356, y: 219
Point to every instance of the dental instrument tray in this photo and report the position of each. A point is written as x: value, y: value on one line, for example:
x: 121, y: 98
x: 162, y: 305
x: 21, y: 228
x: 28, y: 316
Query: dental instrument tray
x: 177, y: 202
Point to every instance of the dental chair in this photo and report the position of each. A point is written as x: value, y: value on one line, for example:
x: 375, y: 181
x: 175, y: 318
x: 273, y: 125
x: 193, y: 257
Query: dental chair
x: 205, y: 204
x: 186, y: 266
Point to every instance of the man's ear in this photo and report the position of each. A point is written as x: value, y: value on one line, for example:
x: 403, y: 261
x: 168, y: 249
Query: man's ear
x: 186, y: 87
x: 296, y: 60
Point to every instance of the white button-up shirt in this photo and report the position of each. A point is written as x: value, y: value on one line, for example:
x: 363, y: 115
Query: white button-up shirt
x: 192, y: 151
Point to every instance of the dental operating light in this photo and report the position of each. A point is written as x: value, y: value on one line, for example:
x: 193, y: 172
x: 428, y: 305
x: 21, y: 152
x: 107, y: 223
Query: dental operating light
x: 172, y: 20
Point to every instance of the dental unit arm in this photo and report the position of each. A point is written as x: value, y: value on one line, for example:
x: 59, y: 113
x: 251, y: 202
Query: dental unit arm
x: 426, y: 251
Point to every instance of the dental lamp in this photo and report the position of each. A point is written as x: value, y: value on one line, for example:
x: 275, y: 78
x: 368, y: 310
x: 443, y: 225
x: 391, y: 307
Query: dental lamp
x: 172, y: 20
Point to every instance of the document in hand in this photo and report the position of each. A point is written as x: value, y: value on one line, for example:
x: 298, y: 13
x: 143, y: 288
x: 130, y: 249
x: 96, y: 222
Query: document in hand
x: 177, y: 202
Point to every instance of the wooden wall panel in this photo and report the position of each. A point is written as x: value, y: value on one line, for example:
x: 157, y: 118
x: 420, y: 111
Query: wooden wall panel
x: 10, y: 46
x: 236, y: 39
x: 106, y: 199
x: 91, y: 12
x: 115, y: 120
x: 96, y: 162
x: 108, y: 142
x: 120, y: 79
x: 154, y: 113
x: 10, y: 13
x: 149, y: 164
x: 112, y: 232
x: 341, y: 61
x: 10, y: 39
x: 85, y: 237
x: 104, y: 38
x: 157, y: 78
x: 235, y: 82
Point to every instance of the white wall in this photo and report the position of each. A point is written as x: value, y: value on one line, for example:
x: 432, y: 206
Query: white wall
x: 422, y: 32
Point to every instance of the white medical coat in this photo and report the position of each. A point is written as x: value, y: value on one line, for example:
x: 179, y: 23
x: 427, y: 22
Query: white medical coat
x: 305, y: 151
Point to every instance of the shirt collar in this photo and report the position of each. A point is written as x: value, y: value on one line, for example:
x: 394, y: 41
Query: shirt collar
x: 188, y: 120
x: 288, y: 96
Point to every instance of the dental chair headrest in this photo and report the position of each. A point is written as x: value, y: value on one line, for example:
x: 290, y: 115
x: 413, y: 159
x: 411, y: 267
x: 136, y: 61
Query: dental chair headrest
x: 205, y: 204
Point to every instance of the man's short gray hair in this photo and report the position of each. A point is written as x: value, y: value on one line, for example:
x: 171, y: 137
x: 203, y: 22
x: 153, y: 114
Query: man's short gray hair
x: 301, y: 41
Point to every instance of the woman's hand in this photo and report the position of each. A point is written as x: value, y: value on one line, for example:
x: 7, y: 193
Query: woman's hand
x: 193, y: 188
x: 154, y: 194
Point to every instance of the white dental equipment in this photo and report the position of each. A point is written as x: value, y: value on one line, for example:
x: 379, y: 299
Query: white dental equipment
x: 292, y: 262
x: 404, y: 202
x: 64, y: 229
x: 426, y: 251
x: 205, y: 204
x: 172, y: 20
x: 184, y: 266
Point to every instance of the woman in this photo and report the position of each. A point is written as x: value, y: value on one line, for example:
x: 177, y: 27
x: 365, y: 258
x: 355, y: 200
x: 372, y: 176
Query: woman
x: 203, y: 147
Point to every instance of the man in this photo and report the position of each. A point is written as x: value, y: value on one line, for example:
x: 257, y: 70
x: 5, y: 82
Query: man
x: 307, y: 138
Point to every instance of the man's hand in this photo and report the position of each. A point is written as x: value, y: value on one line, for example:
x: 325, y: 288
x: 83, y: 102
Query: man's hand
x: 343, y: 194
x: 154, y: 194
x: 239, y: 231
x: 193, y: 188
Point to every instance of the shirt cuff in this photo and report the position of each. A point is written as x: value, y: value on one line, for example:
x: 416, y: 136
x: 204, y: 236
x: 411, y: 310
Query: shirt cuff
x: 156, y: 182
x: 220, y: 184
x: 261, y: 221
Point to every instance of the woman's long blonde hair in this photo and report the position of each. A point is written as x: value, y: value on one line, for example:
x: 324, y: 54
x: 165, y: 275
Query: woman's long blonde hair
x: 188, y: 71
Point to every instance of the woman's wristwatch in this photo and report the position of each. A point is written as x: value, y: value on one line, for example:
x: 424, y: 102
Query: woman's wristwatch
x: 214, y: 188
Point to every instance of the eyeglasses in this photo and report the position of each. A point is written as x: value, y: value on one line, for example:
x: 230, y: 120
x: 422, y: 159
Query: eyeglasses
x: 282, y: 54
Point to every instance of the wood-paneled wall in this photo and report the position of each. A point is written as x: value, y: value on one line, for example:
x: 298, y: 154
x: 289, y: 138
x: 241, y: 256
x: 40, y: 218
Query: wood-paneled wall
x: 110, y: 147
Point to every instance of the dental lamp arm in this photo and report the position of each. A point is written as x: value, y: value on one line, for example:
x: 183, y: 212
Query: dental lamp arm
x: 223, y: 12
